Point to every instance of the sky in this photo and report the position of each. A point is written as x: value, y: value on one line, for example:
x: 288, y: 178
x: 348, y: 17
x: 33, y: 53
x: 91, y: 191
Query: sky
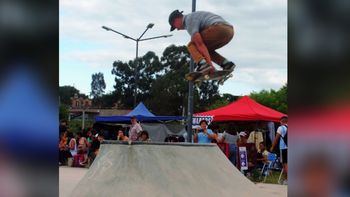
x: 258, y: 48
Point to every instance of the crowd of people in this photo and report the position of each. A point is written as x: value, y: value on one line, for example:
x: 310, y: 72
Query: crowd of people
x: 257, y: 151
x: 80, y: 149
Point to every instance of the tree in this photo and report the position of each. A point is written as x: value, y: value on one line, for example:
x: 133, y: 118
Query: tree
x: 98, y: 85
x: 274, y: 99
x: 168, y: 93
x: 224, y: 100
x: 109, y: 99
x: 67, y: 92
x: 63, y: 112
x: 161, y: 85
x: 148, y: 68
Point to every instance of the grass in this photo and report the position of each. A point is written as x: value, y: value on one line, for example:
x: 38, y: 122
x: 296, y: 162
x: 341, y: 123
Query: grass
x: 255, y: 176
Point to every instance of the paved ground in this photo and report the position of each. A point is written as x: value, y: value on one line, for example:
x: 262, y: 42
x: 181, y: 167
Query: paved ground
x: 111, y: 173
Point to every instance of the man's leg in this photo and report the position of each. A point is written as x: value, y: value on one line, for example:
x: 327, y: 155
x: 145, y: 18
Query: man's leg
x: 285, y: 163
x: 197, y: 57
x: 215, y: 37
x: 195, y: 54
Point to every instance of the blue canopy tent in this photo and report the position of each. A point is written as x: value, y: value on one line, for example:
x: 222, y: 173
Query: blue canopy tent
x: 142, y: 114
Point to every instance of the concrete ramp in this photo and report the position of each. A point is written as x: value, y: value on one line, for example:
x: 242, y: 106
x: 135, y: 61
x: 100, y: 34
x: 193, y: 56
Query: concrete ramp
x: 164, y: 170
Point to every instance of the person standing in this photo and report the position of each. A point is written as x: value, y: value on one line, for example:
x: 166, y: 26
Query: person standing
x: 230, y: 137
x: 135, y: 129
x: 203, y: 135
x: 281, y: 137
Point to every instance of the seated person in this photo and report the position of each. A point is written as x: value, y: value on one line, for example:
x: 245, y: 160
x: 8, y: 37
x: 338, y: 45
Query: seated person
x: 262, y: 155
x: 121, y: 136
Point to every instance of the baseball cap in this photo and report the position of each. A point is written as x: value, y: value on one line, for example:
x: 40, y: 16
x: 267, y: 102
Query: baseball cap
x: 172, y: 17
x: 243, y: 134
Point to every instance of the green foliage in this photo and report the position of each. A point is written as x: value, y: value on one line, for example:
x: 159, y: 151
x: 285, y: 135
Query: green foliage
x: 148, y: 69
x: 161, y: 83
x: 98, y: 85
x: 218, y: 103
x: 63, y: 112
x: 274, y: 99
x: 256, y: 177
x: 67, y: 92
x: 76, y: 125
x: 108, y: 100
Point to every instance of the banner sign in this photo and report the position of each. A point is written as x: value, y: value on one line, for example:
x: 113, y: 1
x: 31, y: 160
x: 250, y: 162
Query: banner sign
x: 243, y: 158
x: 196, y: 120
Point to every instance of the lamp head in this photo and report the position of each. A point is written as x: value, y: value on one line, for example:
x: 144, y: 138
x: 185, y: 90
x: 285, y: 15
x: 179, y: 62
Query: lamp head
x: 149, y: 26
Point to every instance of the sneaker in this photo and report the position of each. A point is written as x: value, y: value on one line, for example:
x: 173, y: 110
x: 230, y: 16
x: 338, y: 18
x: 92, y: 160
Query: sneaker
x: 202, y: 67
x: 228, y: 66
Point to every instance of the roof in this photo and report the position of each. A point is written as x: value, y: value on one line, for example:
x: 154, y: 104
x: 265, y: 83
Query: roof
x: 244, y: 109
x: 142, y: 114
x: 140, y: 110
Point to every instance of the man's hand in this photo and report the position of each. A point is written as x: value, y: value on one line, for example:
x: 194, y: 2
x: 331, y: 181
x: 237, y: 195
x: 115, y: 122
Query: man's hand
x: 205, y: 131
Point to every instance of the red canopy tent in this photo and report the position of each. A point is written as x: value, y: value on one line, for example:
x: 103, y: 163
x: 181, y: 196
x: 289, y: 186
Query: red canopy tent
x: 244, y: 109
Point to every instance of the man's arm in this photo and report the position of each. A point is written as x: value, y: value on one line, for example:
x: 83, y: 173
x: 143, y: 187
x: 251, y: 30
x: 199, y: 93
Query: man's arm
x: 275, y: 142
x: 202, y: 48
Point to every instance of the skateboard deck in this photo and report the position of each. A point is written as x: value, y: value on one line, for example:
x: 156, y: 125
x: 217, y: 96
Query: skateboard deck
x: 221, y: 76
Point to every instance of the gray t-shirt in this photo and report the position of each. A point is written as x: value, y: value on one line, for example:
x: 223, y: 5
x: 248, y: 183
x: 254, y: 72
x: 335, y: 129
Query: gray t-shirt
x: 230, y: 139
x: 200, y: 20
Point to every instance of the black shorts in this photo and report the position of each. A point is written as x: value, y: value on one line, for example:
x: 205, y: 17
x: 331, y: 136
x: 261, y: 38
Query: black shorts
x: 284, y: 156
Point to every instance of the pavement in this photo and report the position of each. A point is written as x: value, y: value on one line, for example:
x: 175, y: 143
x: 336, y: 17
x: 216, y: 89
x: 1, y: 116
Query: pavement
x: 161, y: 170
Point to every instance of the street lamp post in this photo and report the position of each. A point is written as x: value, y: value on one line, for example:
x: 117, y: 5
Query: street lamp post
x: 190, y: 94
x: 149, y: 26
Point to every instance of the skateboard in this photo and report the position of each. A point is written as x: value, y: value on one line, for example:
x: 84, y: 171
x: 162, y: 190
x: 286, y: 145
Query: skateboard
x: 219, y: 75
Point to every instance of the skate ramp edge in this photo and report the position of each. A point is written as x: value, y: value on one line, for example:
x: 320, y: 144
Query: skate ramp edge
x: 163, y: 169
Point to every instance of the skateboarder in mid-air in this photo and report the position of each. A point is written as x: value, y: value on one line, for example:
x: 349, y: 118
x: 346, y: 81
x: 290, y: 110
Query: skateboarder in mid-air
x: 208, y: 32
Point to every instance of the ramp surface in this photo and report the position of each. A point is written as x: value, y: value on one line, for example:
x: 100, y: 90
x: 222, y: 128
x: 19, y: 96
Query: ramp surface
x: 164, y: 170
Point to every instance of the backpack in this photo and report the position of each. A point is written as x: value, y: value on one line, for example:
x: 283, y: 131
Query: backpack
x: 285, y: 138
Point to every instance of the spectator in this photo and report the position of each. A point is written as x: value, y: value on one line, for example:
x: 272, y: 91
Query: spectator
x: 262, y: 155
x: 250, y: 148
x: 135, y: 129
x: 203, y: 135
x: 83, y: 144
x: 144, y: 137
x: 95, y: 146
x: 89, y: 136
x: 242, y: 140
x: 121, y: 136
x: 230, y: 137
x: 174, y: 138
x: 64, y: 153
x: 281, y: 137
x: 73, y: 146
x: 63, y: 126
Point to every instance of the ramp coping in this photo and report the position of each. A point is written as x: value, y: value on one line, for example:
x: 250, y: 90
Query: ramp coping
x: 156, y: 143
